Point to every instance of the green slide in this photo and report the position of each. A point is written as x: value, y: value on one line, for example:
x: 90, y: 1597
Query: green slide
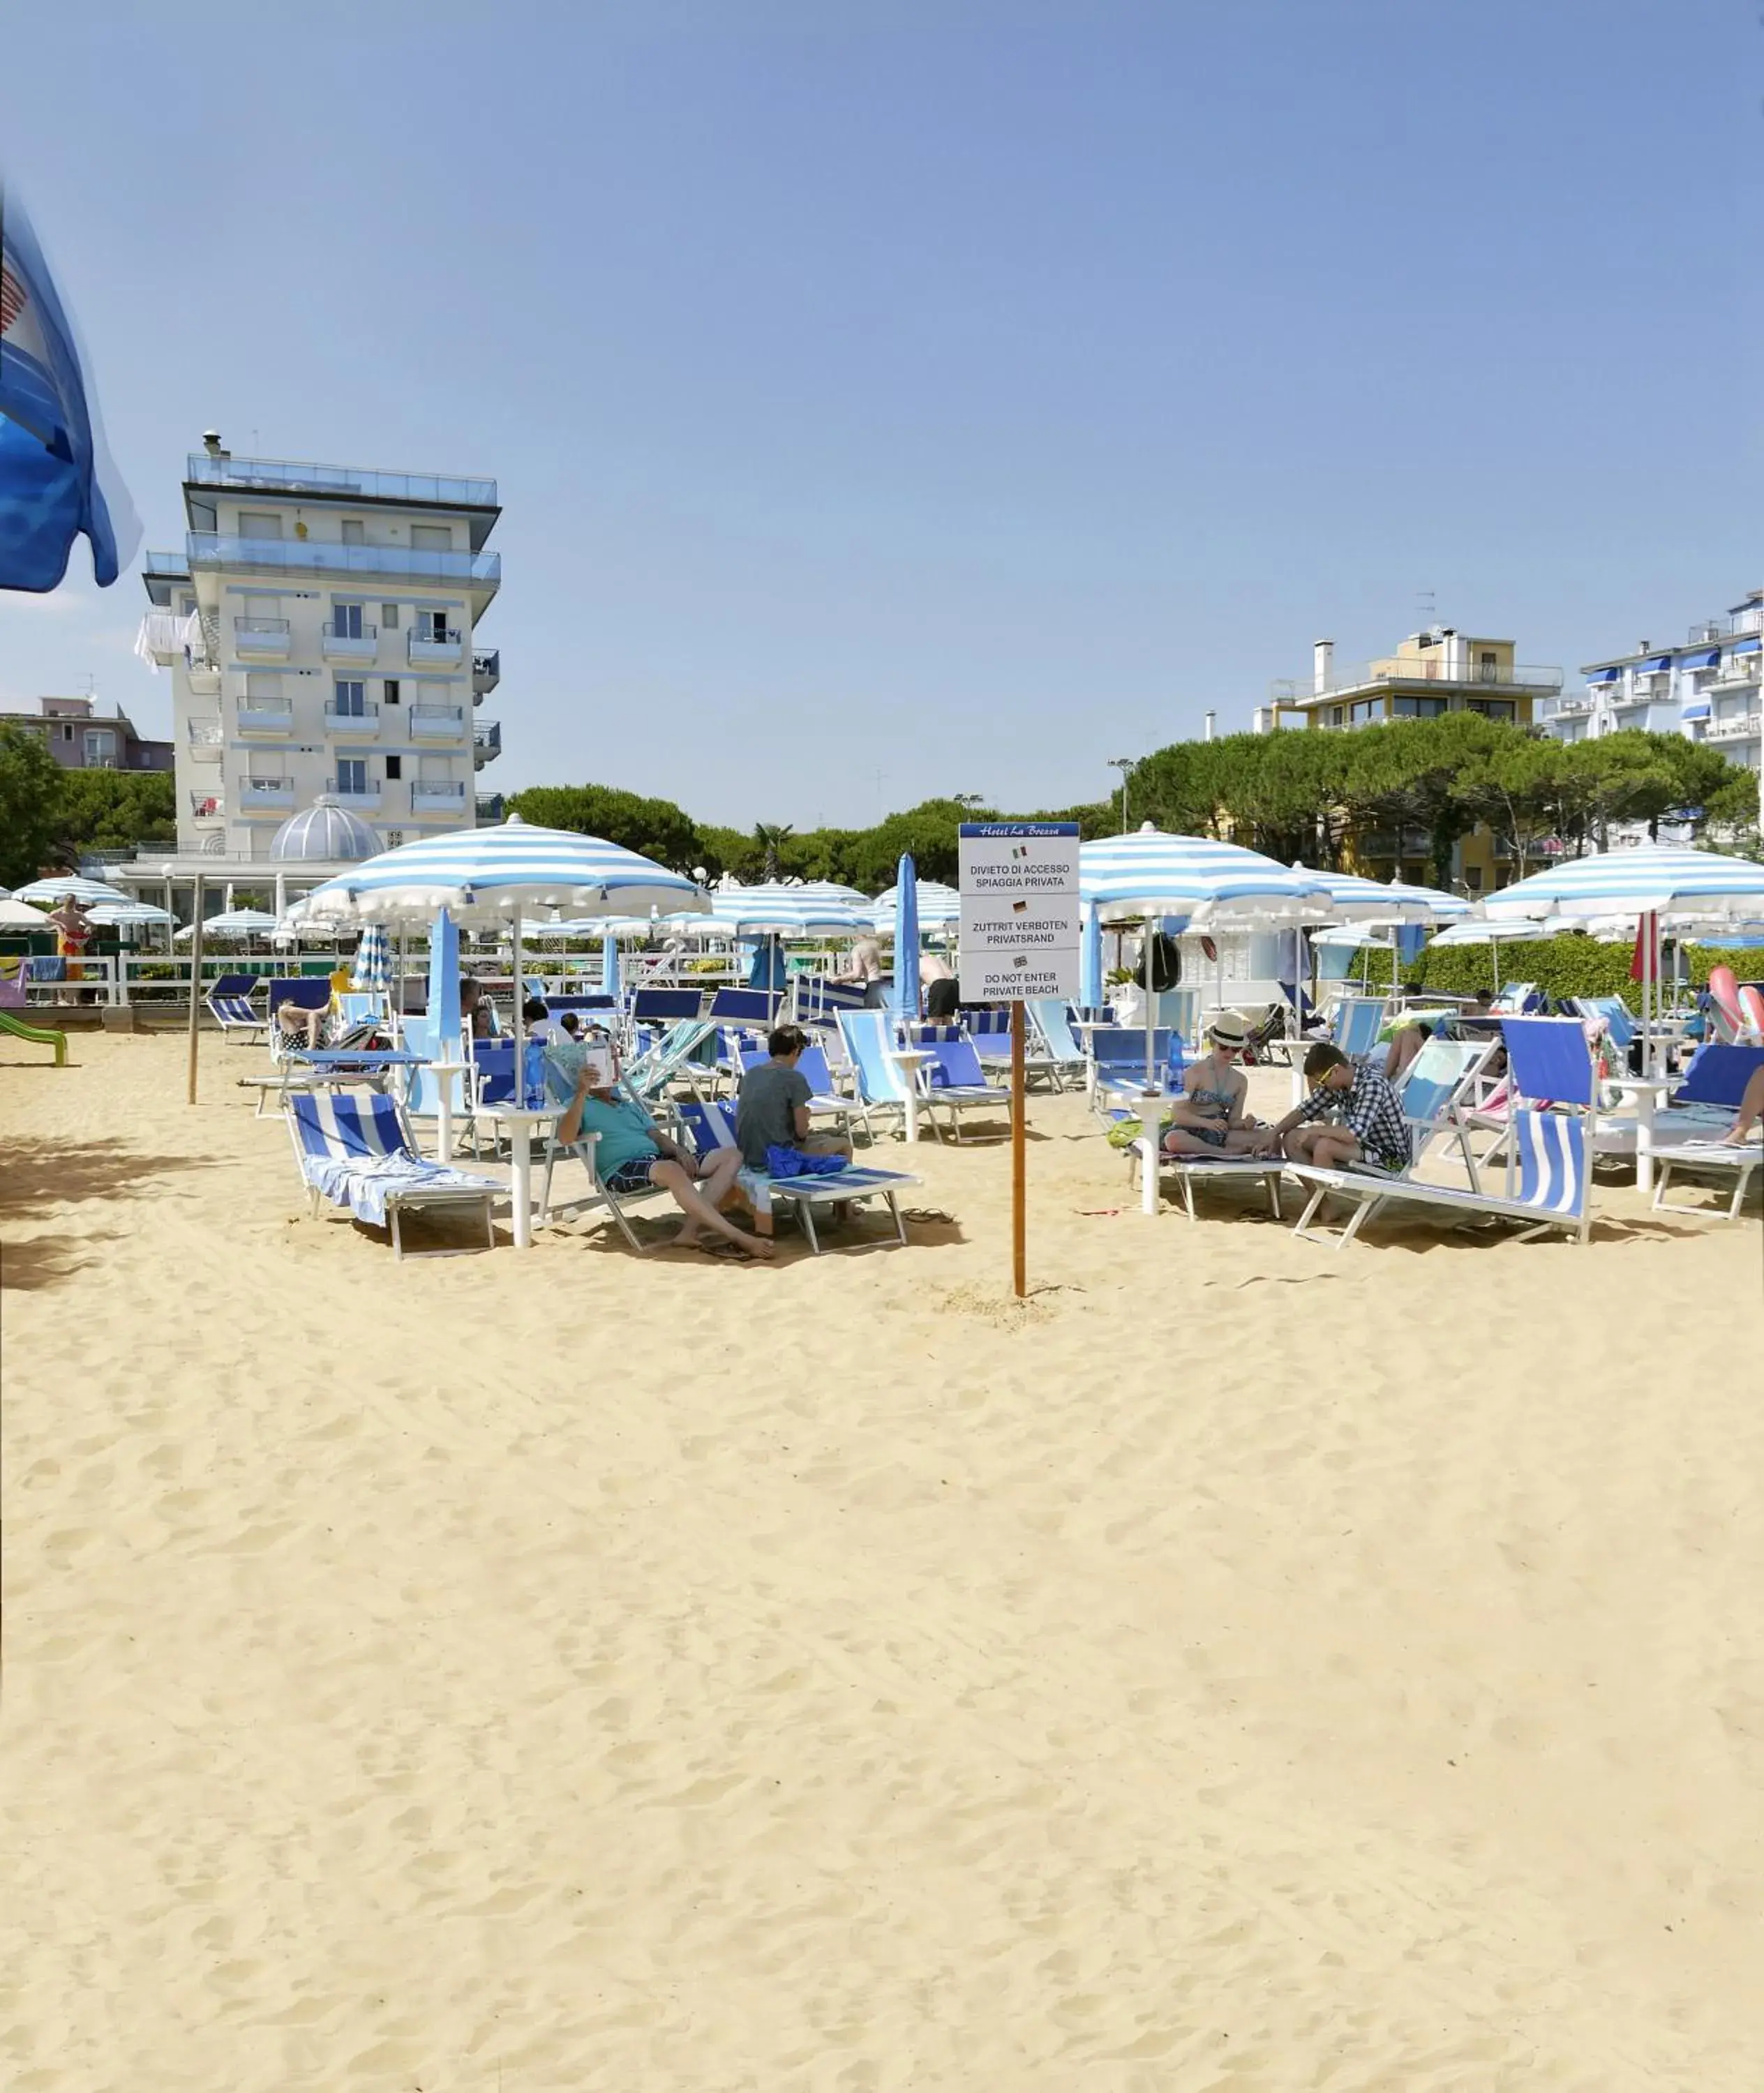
x: 38, y: 1037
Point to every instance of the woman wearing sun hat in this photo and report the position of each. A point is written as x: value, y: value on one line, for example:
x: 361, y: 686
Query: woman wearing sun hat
x: 1208, y: 1118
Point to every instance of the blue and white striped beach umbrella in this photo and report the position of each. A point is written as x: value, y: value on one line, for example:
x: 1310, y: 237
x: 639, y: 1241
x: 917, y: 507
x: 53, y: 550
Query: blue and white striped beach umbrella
x: 789, y: 911
x: 487, y: 876
x: 370, y: 973
x: 1353, y: 900
x: 1653, y: 879
x: 60, y: 885
x: 1216, y: 886
x: 939, y: 907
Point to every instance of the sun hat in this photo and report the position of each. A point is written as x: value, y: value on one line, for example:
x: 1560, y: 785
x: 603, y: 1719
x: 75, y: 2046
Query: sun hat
x: 1228, y: 1030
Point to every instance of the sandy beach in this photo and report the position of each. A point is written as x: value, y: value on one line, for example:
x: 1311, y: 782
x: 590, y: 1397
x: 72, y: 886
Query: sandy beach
x: 1249, y: 1668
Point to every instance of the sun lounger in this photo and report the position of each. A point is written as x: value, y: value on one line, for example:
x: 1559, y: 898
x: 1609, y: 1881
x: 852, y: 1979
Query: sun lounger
x: 1049, y: 1020
x: 881, y: 1081
x: 1552, y: 1153
x: 665, y: 1006
x: 1354, y: 1023
x: 673, y: 1057
x: 711, y: 1125
x: 356, y: 1149
x: 951, y: 1080
x: 824, y: 1101
x: 1117, y: 1068
x: 230, y: 1004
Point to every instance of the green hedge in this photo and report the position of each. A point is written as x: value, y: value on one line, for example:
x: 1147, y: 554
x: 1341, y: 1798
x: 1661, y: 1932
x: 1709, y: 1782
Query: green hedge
x: 1565, y: 966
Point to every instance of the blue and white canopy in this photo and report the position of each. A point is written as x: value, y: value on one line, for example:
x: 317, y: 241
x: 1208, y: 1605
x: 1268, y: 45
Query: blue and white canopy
x: 1693, y: 884
x: 791, y: 912
x: 1353, y: 900
x: 60, y: 885
x: 1215, y: 884
x: 484, y: 877
x: 939, y: 907
x: 234, y: 923
x: 129, y: 916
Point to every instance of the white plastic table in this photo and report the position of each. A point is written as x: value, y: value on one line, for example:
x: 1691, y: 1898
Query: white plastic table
x: 909, y: 1058
x: 444, y: 1073
x: 520, y: 1120
x: 1649, y: 1091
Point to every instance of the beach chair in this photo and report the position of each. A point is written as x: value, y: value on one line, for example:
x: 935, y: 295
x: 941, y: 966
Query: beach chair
x: 1615, y: 1014
x: 1355, y: 1023
x: 665, y: 1006
x: 1117, y: 1075
x: 754, y: 1009
x: 1702, y: 1158
x: 990, y: 1032
x: 951, y: 1079
x: 672, y: 1058
x: 1687, y: 1135
x: 1551, y: 1160
x: 1189, y: 1171
x: 230, y: 1005
x: 1433, y: 1091
x: 1049, y: 1023
x: 304, y: 992
x: 1516, y: 999
x: 711, y: 1125
x: 357, y: 1150
x: 817, y: 998
x: 881, y: 1082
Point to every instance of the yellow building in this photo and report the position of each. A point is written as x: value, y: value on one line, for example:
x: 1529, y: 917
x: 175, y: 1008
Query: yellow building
x: 1440, y: 670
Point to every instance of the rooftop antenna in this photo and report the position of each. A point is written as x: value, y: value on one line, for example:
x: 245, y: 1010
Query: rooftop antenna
x: 1427, y: 609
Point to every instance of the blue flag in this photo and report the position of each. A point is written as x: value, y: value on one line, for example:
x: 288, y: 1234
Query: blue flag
x: 56, y: 479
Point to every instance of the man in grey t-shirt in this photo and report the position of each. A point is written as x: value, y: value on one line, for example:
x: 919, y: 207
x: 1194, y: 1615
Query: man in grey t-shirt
x: 772, y: 1105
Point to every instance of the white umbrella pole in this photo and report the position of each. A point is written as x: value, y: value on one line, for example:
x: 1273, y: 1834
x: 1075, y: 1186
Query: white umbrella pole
x: 1151, y: 1018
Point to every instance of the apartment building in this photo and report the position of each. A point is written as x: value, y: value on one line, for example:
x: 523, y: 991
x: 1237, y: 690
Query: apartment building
x: 81, y: 739
x: 1709, y: 689
x: 1432, y: 673
x: 321, y: 628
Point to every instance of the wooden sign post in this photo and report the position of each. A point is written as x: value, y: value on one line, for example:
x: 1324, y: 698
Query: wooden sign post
x: 1020, y: 929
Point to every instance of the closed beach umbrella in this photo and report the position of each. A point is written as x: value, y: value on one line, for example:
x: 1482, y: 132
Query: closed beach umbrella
x: 609, y: 964
x: 905, y: 998
x: 444, y: 1011
x: 370, y: 974
x: 1090, y: 960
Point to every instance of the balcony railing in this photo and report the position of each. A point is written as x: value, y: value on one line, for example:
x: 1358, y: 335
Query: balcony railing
x: 166, y: 566
x: 264, y: 639
x: 338, y: 642
x: 298, y: 476
x: 266, y: 719
x: 1744, y: 728
x: 1523, y: 676
x: 433, y: 643
x: 486, y: 670
x: 211, y: 550
x: 490, y: 806
x: 1571, y: 707
x: 208, y: 737
x: 486, y: 741
x: 365, y: 794
x: 358, y: 719
x: 1742, y: 669
x: 207, y: 806
x: 446, y: 721
x: 265, y: 792
x: 437, y: 792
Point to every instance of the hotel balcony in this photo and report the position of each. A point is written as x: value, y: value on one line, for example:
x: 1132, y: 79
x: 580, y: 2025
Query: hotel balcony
x: 264, y: 794
x: 486, y: 670
x: 355, y: 796
x: 489, y: 806
x: 364, y: 722
x: 1735, y: 674
x: 486, y: 742
x: 437, y: 722
x: 260, y: 639
x: 338, y: 644
x: 430, y: 649
x: 208, y: 737
x: 257, y: 717
x: 1572, y: 708
x: 213, y: 552
x: 438, y: 795
x: 1743, y: 726
x: 207, y: 806
x: 160, y: 572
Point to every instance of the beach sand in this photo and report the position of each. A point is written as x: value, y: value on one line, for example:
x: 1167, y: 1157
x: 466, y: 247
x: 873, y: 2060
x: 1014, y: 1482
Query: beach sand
x: 1247, y: 1667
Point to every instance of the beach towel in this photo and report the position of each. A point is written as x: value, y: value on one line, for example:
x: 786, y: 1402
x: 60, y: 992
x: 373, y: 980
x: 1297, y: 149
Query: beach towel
x: 793, y: 1163
x: 362, y: 1183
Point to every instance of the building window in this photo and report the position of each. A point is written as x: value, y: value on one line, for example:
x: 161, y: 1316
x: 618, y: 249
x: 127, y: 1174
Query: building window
x: 388, y: 616
x: 349, y: 699
x: 66, y: 733
x: 1364, y: 709
x: 431, y: 625
x: 346, y: 621
x: 352, y: 774
x: 391, y: 690
x: 1473, y: 877
x: 259, y: 523
x: 1336, y: 714
x: 395, y: 766
x: 1490, y: 666
x: 1498, y: 709
x: 1419, y: 708
x: 353, y: 532
x: 431, y: 538
x: 100, y: 748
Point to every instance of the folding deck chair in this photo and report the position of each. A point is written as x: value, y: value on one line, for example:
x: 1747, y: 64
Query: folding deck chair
x: 824, y: 1101
x: 1687, y: 1136
x: 713, y: 1125
x: 880, y: 1082
x: 952, y: 1079
x: 230, y: 1005
x: 357, y: 1150
x: 1050, y: 1023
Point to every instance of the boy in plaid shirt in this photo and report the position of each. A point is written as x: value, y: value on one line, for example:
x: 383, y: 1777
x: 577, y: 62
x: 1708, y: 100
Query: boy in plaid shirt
x: 1370, y: 1128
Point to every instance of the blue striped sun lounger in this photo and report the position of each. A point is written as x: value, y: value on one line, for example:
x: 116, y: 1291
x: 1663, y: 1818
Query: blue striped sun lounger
x: 355, y: 1150
x: 711, y: 1126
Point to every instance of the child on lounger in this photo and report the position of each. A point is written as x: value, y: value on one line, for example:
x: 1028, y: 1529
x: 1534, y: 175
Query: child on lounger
x: 1208, y: 1119
x: 1370, y: 1129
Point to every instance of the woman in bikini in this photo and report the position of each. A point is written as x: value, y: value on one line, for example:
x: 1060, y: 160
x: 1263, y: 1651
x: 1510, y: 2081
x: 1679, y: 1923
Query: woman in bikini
x: 1208, y: 1118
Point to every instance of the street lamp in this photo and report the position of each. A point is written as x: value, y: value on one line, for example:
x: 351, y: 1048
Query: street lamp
x: 1126, y: 765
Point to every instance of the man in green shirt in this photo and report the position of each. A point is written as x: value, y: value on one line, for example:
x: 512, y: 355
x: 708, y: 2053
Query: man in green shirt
x: 631, y: 1153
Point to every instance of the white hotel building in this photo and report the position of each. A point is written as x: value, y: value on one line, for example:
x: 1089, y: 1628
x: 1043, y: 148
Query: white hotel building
x: 321, y: 630
x: 1709, y: 689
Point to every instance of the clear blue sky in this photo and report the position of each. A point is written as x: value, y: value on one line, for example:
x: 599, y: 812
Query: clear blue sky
x: 891, y: 399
